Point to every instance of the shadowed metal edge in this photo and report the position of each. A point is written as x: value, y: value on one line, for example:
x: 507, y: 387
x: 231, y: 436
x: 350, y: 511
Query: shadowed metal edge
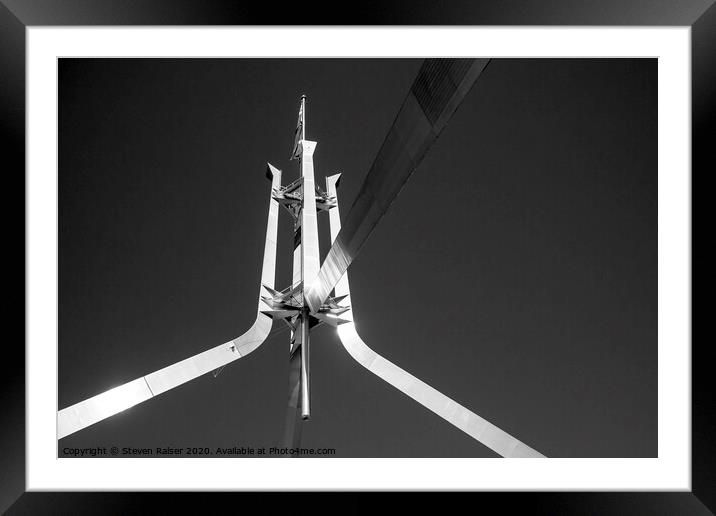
x: 99, y: 407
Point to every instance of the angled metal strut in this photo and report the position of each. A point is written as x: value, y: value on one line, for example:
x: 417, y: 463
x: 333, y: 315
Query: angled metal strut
x: 113, y: 401
x: 475, y: 426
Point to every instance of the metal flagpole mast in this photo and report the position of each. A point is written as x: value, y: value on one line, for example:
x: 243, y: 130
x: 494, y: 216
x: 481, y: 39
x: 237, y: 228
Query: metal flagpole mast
x: 303, y: 112
x: 292, y: 427
x: 302, y: 198
x: 310, y: 259
x: 305, y: 270
x: 305, y: 323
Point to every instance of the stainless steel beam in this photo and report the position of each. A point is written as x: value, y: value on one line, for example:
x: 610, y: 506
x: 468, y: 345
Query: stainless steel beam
x: 310, y: 261
x: 99, y: 407
x: 457, y: 415
x: 438, y: 90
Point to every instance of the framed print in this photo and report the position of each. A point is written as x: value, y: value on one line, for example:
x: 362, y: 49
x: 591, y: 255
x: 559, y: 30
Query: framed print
x: 516, y: 218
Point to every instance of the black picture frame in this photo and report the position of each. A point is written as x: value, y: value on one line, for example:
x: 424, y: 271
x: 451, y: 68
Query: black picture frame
x: 17, y: 15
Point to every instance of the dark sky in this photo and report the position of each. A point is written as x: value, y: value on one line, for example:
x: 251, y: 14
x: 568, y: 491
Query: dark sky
x: 516, y: 272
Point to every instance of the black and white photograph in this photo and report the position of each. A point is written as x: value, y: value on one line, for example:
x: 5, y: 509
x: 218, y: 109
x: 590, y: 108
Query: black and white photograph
x: 419, y: 247
x: 442, y: 257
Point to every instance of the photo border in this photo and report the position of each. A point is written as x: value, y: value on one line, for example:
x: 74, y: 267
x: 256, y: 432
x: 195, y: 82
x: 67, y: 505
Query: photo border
x: 701, y: 16
x: 670, y: 469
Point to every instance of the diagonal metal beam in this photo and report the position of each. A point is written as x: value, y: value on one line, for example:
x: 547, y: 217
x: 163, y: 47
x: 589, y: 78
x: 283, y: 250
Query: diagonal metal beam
x: 457, y: 415
x: 438, y: 90
x: 113, y: 401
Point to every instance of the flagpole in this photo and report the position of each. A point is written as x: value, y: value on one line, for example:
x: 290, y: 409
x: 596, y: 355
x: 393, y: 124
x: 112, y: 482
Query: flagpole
x: 303, y: 110
x: 305, y: 323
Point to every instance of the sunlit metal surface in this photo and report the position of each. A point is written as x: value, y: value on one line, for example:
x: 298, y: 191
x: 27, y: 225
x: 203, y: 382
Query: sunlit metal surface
x: 438, y: 90
x: 475, y: 426
x: 106, y: 404
x: 310, y: 262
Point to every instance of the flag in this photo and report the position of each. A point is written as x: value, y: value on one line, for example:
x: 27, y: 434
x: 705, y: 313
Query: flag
x: 298, y: 135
